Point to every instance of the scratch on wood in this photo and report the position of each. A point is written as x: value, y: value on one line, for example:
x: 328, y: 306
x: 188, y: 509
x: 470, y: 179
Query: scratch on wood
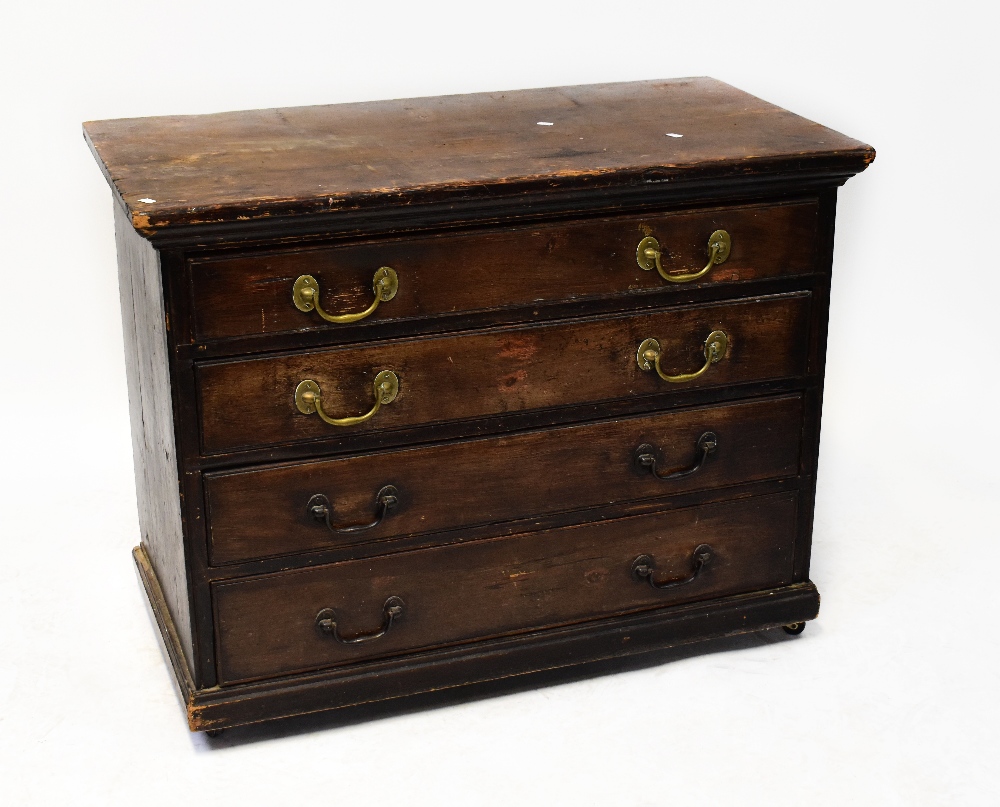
x: 196, y: 722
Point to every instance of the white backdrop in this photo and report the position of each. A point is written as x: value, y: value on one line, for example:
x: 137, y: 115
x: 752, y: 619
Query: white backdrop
x: 890, y: 698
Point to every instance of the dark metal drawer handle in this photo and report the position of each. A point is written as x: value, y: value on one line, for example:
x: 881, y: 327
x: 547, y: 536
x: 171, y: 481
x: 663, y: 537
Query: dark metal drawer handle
x: 645, y: 458
x: 644, y: 566
x: 648, y: 254
x: 305, y: 295
x: 649, y: 354
x: 326, y: 621
x: 386, y: 500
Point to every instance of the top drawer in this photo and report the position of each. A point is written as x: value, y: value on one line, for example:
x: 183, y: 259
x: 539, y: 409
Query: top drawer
x: 249, y: 295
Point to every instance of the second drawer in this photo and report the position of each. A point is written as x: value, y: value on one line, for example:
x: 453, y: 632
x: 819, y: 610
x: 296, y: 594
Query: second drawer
x: 253, y: 403
x: 295, y: 508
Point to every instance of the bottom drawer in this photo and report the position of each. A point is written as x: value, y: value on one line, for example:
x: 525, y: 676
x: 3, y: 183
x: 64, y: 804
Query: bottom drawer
x: 346, y: 612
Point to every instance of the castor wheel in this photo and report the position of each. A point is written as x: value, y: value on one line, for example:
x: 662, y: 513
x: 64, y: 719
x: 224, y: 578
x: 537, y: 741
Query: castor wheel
x: 214, y: 732
x: 794, y: 629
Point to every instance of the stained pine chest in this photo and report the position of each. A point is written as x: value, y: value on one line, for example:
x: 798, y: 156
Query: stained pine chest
x: 438, y: 392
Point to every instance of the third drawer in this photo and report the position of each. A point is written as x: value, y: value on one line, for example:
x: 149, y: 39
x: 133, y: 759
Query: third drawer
x: 293, y: 508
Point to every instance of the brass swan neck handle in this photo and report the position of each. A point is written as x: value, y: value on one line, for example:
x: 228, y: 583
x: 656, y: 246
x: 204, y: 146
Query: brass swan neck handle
x: 649, y: 255
x: 305, y: 295
x: 649, y: 354
x: 309, y: 399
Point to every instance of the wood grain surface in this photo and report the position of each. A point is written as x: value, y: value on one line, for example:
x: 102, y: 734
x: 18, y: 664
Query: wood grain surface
x: 266, y: 625
x: 154, y: 449
x: 234, y: 166
x: 251, y: 294
x: 262, y: 512
x: 249, y: 403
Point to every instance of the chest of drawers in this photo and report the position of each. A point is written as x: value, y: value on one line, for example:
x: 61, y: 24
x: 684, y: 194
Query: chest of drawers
x: 439, y: 392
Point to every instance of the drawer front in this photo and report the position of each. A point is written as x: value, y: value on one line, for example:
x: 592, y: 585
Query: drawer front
x: 281, y: 623
x: 261, y: 513
x: 252, y: 402
x: 437, y: 275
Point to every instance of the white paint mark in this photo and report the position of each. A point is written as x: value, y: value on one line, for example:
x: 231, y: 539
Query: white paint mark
x: 147, y: 200
x: 545, y: 123
x: 673, y: 134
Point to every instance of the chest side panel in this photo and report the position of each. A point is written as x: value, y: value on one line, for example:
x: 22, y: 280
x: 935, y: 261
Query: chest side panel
x: 151, y: 412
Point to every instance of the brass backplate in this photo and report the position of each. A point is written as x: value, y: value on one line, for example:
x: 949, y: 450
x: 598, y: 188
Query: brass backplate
x: 306, y: 407
x: 721, y: 341
x: 305, y: 302
x: 387, y: 384
x: 720, y: 240
x: 641, y: 360
x: 386, y: 282
x: 647, y: 262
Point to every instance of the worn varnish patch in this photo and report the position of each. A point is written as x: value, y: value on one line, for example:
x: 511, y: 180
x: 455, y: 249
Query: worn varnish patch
x: 243, y: 166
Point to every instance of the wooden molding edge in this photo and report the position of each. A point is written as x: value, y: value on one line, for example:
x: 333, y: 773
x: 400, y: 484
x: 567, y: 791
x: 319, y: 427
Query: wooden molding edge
x: 509, y: 662
x: 168, y: 631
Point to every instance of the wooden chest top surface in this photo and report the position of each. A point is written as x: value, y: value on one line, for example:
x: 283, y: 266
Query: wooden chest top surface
x: 238, y: 166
